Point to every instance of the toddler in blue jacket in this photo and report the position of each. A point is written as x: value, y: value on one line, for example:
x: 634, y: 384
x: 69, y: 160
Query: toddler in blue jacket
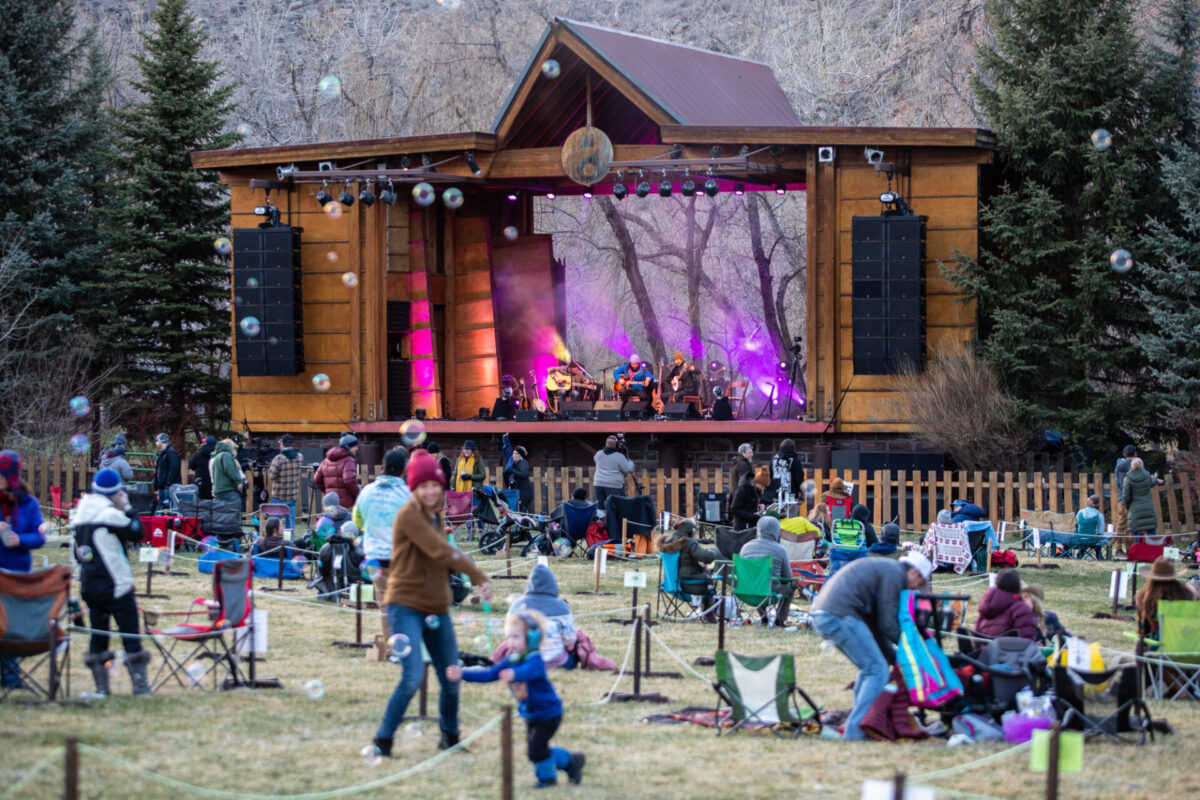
x: 525, y: 673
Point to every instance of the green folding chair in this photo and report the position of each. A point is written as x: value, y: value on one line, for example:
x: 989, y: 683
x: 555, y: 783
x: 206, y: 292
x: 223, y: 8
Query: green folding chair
x: 752, y: 586
x: 1177, y: 660
x: 762, y: 690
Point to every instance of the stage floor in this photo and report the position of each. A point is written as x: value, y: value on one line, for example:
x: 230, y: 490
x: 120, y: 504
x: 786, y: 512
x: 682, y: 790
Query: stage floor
x: 689, y: 427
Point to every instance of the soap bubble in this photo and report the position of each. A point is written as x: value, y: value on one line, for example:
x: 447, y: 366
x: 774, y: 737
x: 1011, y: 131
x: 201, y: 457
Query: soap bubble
x: 330, y: 86
x: 1121, y: 261
x: 551, y: 69
x: 349, y: 280
x: 1101, y: 139
x: 251, y: 283
x: 563, y: 547
x: 80, y: 443
x: 223, y: 246
x: 481, y: 642
x: 423, y: 194
x: 511, y: 233
x: 83, y: 553
x: 371, y: 569
x: 399, y: 645
x: 449, y: 5
x: 333, y: 209
x: 412, y: 432
x: 195, y: 672
x: 321, y: 382
x: 413, y: 730
x: 453, y: 197
x: 250, y: 326
x: 372, y: 756
x: 80, y: 406
x: 809, y: 488
x: 467, y: 620
x: 243, y: 129
x: 332, y: 257
x: 314, y: 689
x: 432, y: 622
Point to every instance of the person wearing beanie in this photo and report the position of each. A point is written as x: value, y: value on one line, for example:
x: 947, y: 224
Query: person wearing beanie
x: 338, y: 471
x: 682, y: 381
x: 285, y: 477
x: 766, y: 545
x: 114, y: 458
x: 418, y: 599
x: 889, y: 540
x: 20, y: 533
x: 102, y: 525
x: 198, y: 464
x: 517, y: 472
x: 695, y: 576
x: 631, y: 381
x: 858, y: 612
x: 375, y: 514
x: 228, y: 480
x: 1001, y: 610
x: 166, y: 469
x: 469, y: 472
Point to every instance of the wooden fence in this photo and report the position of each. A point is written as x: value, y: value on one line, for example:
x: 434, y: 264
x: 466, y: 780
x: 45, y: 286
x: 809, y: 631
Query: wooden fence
x: 912, y: 499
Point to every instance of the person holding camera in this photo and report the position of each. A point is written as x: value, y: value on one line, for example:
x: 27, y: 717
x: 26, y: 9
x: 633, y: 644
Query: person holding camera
x: 612, y: 465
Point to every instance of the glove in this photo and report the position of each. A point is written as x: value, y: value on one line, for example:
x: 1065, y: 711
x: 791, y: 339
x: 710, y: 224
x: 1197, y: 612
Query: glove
x: 466, y: 476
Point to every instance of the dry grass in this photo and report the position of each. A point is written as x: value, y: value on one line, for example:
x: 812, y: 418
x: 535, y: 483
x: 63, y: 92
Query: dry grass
x: 274, y: 742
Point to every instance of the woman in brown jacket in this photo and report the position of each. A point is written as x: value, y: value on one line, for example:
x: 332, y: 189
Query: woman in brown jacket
x: 418, y: 600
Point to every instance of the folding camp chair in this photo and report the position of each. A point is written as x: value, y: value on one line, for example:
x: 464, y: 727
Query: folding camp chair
x: 810, y: 576
x: 458, y: 514
x: 752, y: 587
x: 839, y: 507
x: 1174, y: 667
x: 672, y: 602
x: 230, y: 609
x: 268, y: 510
x: 32, y: 627
x: 849, y: 543
x: 1130, y: 714
x: 1011, y: 664
x: 576, y: 520
x: 762, y: 690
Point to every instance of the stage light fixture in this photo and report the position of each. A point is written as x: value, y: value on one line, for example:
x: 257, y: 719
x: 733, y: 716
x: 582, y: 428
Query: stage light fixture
x: 664, y: 189
x: 324, y: 198
x: 688, y: 189
x: 512, y: 197
x: 472, y: 164
x: 739, y: 189
x: 283, y: 173
x: 619, y: 191
x: 550, y: 195
x: 366, y: 196
x: 714, y: 151
x: 780, y: 188
x: 346, y: 197
x: 872, y: 155
x: 711, y: 188
x: 388, y: 196
x: 405, y: 162
x: 714, y: 365
x: 427, y: 163
x: 587, y: 195
x: 643, y: 189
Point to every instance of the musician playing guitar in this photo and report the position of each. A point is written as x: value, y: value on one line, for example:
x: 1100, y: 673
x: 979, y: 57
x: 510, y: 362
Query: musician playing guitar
x: 682, y: 381
x: 632, y: 380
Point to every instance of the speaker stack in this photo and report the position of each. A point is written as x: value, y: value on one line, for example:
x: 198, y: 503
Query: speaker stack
x: 399, y: 368
x: 268, y: 335
x: 888, y: 291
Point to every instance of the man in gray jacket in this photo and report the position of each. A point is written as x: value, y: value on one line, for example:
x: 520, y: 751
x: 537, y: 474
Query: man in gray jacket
x: 767, y: 545
x: 611, y: 468
x: 858, y: 611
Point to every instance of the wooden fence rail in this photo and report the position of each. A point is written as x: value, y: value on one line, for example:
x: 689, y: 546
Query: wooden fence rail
x: 912, y: 499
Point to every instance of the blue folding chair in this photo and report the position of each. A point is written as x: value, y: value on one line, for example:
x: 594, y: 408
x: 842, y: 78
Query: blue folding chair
x: 577, y: 519
x: 672, y: 601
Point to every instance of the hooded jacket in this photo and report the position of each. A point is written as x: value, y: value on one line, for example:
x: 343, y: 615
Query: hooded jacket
x: 116, y: 460
x: 1090, y: 522
x: 611, y: 468
x: 692, y: 556
x: 744, y: 506
x: 541, y: 595
x: 375, y: 514
x: 787, y: 473
x: 740, y: 466
x: 1137, y: 498
x: 516, y: 474
x: 198, y: 464
x: 25, y: 518
x: 99, y: 525
x: 766, y: 544
x: 338, y: 473
x: 1001, y: 612
x: 967, y: 512
x: 166, y: 469
x: 223, y: 466
x: 863, y: 515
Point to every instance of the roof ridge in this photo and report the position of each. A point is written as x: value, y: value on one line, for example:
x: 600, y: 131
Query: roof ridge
x: 574, y: 24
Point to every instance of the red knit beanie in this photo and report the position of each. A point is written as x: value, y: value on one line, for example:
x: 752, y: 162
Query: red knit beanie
x: 424, y: 467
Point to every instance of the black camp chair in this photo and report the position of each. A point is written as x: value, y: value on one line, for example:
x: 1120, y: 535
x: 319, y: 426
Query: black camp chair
x: 1009, y: 663
x: 1129, y: 714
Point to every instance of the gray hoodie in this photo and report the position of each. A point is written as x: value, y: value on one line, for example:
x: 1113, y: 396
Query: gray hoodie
x: 869, y: 590
x: 541, y: 595
x: 113, y: 460
x: 611, y: 469
x: 767, y: 544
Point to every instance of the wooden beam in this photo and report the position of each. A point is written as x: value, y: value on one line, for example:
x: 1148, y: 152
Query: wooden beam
x: 362, y: 148
x: 356, y: 309
x: 828, y: 135
x: 546, y: 162
x: 375, y: 310
x: 813, y: 408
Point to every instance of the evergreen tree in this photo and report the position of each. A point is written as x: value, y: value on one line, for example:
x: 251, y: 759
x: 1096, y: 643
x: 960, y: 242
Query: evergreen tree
x: 1057, y: 322
x: 167, y: 322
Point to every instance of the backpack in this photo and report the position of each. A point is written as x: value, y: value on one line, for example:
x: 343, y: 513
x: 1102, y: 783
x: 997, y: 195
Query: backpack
x: 1004, y: 559
x: 596, y: 533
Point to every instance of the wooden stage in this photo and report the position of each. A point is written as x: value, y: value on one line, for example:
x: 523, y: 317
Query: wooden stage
x: 689, y: 427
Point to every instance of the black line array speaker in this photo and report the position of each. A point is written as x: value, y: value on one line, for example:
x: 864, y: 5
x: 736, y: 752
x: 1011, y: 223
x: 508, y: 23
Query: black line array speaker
x: 399, y: 372
x: 269, y: 332
x: 887, y: 256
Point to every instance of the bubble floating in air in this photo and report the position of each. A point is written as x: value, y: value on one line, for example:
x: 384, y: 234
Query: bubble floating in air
x: 1101, y: 139
x: 223, y: 246
x: 330, y: 86
x: 1121, y: 261
x: 314, y: 689
x: 333, y: 210
x: 551, y: 69
x: 80, y: 406
x: 511, y: 233
x: 563, y: 547
x: 372, y: 756
x: 453, y: 197
x: 423, y: 194
x: 250, y: 326
x: 321, y: 382
x: 349, y: 280
x: 399, y: 645
x: 412, y: 432
x: 432, y: 622
x: 83, y: 554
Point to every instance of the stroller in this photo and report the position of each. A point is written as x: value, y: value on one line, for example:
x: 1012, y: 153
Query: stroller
x: 529, y: 531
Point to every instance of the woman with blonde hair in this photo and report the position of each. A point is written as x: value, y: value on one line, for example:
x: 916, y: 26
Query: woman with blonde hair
x: 1161, y: 584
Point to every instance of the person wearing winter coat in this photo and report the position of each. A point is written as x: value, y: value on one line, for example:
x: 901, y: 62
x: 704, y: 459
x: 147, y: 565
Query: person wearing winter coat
x: 744, y: 508
x: 517, y: 472
x: 228, y: 480
x: 469, y: 472
x: 863, y: 515
x: 611, y: 468
x: 375, y: 513
x: 1138, y: 500
x: 743, y: 462
x: 20, y: 533
x: 435, y: 450
x: 1002, y: 610
x: 766, y: 545
x: 966, y: 512
x: 114, y: 458
x: 102, y: 524
x: 694, y: 575
x: 1121, y: 518
x: 338, y: 471
x: 787, y: 473
x: 198, y: 464
x: 166, y: 469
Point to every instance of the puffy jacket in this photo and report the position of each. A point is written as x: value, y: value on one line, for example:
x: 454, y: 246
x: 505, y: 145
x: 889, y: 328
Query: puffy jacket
x: 114, y: 460
x: 375, y: 513
x: 99, y: 525
x: 223, y: 466
x: 863, y: 515
x: 1137, y: 498
x: 338, y: 473
x: 1001, y: 612
x: 692, y: 556
x: 611, y: 468
x: 744, y: 508
x: 166, y: 469
x: 25, y: 518
x: 968, y: 512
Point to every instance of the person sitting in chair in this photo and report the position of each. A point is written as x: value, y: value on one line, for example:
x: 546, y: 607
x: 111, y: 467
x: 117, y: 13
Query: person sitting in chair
x: 272, y: 537
x: 782, y: 584
x: 682, y: 381
x: 1001, y: 610
x: 633, y: 380
x: 966, y: 512
x: 695, y: 577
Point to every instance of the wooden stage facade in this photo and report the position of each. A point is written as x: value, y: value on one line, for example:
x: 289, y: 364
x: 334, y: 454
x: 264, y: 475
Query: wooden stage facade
x: 689, y: 427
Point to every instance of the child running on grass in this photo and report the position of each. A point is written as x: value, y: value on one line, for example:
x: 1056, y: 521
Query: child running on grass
x: 525, y: 673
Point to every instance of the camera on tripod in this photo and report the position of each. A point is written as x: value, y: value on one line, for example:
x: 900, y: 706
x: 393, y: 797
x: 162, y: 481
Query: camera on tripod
x: 797, y: 345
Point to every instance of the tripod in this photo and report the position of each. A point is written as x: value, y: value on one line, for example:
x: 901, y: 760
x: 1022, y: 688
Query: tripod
x: 793, y: 375
x: 768, y: 409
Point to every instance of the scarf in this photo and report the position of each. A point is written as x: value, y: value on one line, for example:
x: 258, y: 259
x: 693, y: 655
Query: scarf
x: 467, y: 465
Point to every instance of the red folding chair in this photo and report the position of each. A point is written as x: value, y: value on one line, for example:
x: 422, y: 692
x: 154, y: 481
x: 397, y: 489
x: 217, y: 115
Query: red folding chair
x: 458, y: 514
x: 810, y: 576
x: 839, y: 507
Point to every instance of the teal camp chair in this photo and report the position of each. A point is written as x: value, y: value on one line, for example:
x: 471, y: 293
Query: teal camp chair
x: 1177, y: 659
x: 1088, y: 541
x: 762, y: 690
x: 752, y: 586
x: 672, y: 602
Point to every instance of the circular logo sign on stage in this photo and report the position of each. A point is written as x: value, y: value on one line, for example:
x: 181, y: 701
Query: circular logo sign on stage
x: 586, y: 155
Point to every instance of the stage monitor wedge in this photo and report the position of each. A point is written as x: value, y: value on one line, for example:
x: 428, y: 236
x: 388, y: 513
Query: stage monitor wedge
x: 887, y: 256
x: 267, y: 303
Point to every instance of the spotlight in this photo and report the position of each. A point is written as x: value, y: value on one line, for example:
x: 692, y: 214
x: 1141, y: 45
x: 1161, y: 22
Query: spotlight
x: 550, y: 195
x: 873, y: 156
x: 346, y: 197
x: 718, y: 392
x: 324, y: 198
x: 739, y: 189
x: 619, y: 191
x: 512, y: 197
x: 711, y: 188
x: 664, y: 189
x: 780, y: 188
x: 587, y: 195
x: 388, y: 196
x: 427, y: 163
x: 689, y: 188
x: 714, y: 365
x: 643, y: 189
x: 366, y: 197
x: 714, y: 151
x: 283, y: 173
x: 405, y: 162
x: 783, y: 366
x: 472, y: 164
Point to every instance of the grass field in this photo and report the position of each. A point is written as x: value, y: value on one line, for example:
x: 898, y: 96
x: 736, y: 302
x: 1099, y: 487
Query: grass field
x: 282, y: 742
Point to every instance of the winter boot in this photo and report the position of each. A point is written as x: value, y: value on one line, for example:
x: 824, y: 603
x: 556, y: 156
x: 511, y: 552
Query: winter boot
x: 98, y: 664
x: 384, y: 745
x: 447, y: 741
x: 136, y: 663
x: 575, y: 770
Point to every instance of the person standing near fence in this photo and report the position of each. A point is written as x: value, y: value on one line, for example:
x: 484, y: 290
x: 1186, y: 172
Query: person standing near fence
x: 20, y: 533
x: 1136, y: 494
x: 375, y: 513
x: 418, y: 600
x: 228, y: 480
x: 166, y: 469
x: 1121, y: 517
x: 517, y: 473
x: 285, y: 476
x: 469, y: 472
x: 338, y: 471
x: 611, y: 468
x: 198, y: 464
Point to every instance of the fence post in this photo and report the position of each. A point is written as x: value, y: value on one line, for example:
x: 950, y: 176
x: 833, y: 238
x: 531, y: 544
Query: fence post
x: 71, y: 771
x: 1052, y: 766
x: 506, y: 755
